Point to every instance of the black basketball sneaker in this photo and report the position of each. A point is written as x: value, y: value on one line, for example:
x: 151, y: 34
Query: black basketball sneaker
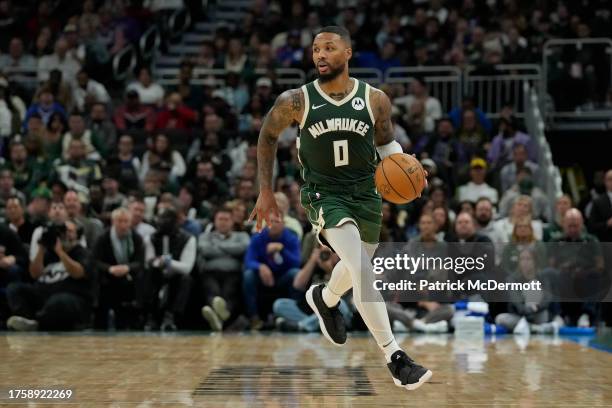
x: 330, y: 318
x: 406, y: 373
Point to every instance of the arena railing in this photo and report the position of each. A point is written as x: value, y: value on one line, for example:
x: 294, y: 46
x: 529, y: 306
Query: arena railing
x: 284, y: 77
x: 493, y: 89
x: 556, y: 53
x: 550, y: 177
x: 444, y: 82
x: 149, y: 42
x: 124, y: 62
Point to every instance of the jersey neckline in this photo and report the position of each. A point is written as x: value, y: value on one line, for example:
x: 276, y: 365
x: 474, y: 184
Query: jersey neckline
x: 332, y: 100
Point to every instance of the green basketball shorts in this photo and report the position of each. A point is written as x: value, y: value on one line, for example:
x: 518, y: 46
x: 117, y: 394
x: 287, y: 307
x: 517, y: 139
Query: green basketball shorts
x: 329, y: 207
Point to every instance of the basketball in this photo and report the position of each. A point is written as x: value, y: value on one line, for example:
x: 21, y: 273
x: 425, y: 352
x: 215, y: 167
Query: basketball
x: 400, y: 178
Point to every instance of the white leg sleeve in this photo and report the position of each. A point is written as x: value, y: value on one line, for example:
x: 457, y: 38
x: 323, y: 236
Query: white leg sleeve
x: 346, y: 242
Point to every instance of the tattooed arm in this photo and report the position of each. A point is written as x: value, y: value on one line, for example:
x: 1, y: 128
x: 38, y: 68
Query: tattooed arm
x: 288, y: 109
x: 383, y: 128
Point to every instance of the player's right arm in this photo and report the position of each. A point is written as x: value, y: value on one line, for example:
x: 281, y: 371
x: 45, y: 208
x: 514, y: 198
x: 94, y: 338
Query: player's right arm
x: 288, y: 108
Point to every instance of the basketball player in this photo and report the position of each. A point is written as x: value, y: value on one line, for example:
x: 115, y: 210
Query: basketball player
x: 343, y: 123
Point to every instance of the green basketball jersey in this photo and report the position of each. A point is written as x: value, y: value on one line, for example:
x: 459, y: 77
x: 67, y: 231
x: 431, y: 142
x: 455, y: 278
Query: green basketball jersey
x: 336, y: 143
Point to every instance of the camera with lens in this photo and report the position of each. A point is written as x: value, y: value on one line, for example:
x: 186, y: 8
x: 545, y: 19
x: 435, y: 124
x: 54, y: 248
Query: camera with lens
x: 324, y: 255
x: 50, y: 235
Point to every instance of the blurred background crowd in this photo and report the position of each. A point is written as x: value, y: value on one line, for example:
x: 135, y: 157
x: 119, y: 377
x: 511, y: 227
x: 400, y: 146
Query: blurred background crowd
x: 124, y: 202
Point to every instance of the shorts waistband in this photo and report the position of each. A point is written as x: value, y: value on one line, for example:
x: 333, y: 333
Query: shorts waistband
x: 342, y: 188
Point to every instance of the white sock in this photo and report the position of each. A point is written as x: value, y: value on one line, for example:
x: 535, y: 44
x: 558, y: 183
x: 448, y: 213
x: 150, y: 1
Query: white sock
x: 389, y: 349
x: 339, y: 283
x: 330, y: 298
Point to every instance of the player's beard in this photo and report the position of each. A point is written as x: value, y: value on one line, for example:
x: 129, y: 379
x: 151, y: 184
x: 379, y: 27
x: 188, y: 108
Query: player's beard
x: 333, y: 73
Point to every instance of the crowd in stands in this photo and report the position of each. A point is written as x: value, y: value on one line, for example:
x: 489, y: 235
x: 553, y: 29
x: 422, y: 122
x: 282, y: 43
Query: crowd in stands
x: 125, y: 206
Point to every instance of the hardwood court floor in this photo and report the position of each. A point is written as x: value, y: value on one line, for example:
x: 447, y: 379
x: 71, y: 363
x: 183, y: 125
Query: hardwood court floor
x: 256, y: 370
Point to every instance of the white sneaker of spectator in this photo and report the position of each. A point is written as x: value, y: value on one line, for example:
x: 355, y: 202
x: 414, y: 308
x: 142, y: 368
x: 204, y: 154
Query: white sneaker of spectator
x: 584, y: 321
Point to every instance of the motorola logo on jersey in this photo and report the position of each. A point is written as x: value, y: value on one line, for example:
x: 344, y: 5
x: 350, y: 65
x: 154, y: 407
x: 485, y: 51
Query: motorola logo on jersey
x: 339, y: 124
x: 358, y: 103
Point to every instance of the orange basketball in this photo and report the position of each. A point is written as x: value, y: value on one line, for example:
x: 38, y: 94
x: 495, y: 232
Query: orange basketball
x: 400, y: 178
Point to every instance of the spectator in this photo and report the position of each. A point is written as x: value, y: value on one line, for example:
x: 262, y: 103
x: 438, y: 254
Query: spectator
x: 236, y: 59
x: 175, y: 115
x: 272, y: 261
x: 40, y: 200
x: 525, y: 186
x: 87, y: 92
x: 477, y: 187
x: 191, y: 94
x: 17, y: 59
x: 601, y: 212
x: 12, y: 110
x: 579, y: 266
x: 7, y: 190
x: 483, y: 213
x: 149, y: 92
x: 208, y: 187
x: 77, y: 171
x: 60, y: 87
x: 27, y: 172
x: 447, y: 152
x: 133, y: 115
x: 419, y: 92
x: 137, y: 211
x: 468, y: 103
x: 235, y: 93
x: 290, y: 222
x: 60, y: 60
x: 170, y: 256
x: 13, y: 263
x: 471, y: 134
x: 113, y: 198
x: 95, y: 148
x: 291, y: 54
x: 125, y: 165
x: 92, y: 227
x: 119, y: 262
x: 522, y: 238
x: 220, y: 264
x: 501, y: 149
x: 51, y: 138
x: 519, y: 161
x: 161, y: 151
x: 187, y: 224
x: 45, y: 108
x: 554, y: 230
x: 529, y: 305
x: 17, y: 221
x: 101, y: 126
x: 61, y: 296
x: 521, y: 207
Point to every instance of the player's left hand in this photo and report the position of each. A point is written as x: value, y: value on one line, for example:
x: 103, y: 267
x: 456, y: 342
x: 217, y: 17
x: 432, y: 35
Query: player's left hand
x: 265, y: 205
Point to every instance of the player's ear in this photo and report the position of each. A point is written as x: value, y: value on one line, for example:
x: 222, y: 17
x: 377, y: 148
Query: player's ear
x: 349, y: 53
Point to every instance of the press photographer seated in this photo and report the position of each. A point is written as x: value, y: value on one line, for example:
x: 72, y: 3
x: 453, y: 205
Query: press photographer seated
x: 60, y: 297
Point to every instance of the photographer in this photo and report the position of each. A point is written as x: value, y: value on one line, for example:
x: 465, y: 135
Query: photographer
x: 119, y: 261
x: 296, y: 315
x: 60, y: 299
x: 170, y: 256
